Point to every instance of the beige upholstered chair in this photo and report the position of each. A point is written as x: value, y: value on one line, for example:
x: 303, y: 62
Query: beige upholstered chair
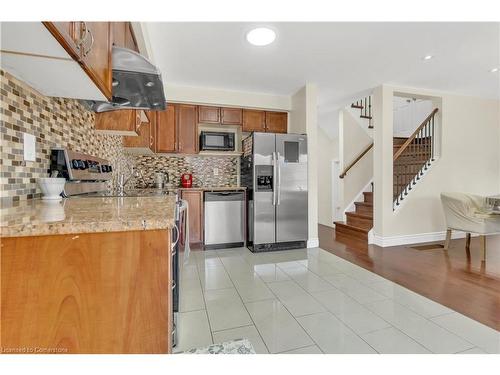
x: 466, y: 213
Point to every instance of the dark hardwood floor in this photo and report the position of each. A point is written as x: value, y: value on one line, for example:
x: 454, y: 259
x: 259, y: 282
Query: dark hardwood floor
x: 462, y: 283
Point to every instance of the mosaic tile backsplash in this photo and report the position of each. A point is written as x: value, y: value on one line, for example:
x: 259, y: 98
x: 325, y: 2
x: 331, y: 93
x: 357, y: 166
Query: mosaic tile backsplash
x: 59, y: 122
x: 202, y: 168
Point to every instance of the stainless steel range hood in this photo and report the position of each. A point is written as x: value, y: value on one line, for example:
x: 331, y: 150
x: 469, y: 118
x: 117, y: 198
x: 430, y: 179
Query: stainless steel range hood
x: 137, y: 84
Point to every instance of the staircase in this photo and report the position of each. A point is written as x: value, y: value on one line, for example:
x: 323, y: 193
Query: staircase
x: 358, y: 223
x: 412, y: 157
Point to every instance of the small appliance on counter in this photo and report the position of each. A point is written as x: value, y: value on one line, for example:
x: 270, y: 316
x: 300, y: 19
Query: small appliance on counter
x: 217, y: 141
x: 161, y: 180
x: 187, y: 180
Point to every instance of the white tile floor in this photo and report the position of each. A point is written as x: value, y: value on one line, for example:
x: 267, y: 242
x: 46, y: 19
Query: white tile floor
x: 311, y: 301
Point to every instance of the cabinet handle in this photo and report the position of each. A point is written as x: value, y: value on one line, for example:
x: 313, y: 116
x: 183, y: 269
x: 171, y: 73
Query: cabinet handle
x: 151, y: 141
x: 83, y: 34
x: 137, y: 122
x: 91, y: 43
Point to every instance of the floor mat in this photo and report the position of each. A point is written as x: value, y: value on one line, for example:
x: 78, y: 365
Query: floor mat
x: 240, y: 346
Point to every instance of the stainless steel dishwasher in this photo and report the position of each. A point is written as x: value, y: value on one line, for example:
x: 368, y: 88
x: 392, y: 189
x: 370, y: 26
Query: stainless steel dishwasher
x: 224, y: 219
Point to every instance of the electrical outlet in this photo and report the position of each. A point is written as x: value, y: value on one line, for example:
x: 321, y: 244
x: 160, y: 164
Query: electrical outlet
x: 29, y: 146
x: 216, y: 171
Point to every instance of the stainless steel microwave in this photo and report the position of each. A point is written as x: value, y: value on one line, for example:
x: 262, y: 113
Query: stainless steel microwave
x: 216, y: 141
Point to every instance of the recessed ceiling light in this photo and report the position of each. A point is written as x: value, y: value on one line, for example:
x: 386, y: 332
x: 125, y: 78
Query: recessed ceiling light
x: 261, y: 36
x: 428, y: 57
x: 494, y: 70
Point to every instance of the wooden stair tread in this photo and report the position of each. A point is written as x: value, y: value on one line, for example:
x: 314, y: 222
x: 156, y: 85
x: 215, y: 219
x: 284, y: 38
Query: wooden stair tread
x: 359, y: 215
x: 367, y: 204
x: 342, y: 224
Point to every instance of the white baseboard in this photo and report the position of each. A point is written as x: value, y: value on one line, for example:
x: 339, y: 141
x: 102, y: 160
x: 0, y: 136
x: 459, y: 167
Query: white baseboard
x: 312, y: 242
x: 412, y: 238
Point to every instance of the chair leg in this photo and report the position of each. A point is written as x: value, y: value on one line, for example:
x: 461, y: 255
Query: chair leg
x: 467, y: 241
x: 482, y: 241
x: 448, y: 239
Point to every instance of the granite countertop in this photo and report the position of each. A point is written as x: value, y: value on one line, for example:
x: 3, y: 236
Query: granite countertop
x: 87, y: 215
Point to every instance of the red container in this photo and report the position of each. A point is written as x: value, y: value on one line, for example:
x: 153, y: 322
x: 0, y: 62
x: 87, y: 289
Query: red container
x: 187, y: 180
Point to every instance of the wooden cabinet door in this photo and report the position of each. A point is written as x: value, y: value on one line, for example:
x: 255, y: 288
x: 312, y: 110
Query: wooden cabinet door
x: 208, y: 115
x: 130, y: 41
x: 195, y: 204
x: 96, y: 55
x: 166, y: 130
x: 231, y: 116
x: 118, y: 33
x: 123, y: 35
x: 143, y: 138
x: 276, y: 122
x: 187, y: 129
x: 119, y: 122
x: 254, y: 121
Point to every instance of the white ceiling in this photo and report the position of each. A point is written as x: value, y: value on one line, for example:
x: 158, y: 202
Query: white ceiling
x: 341, y: 58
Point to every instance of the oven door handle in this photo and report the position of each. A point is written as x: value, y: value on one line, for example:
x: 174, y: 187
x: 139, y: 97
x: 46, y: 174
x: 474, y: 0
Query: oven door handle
x: 174, y: 244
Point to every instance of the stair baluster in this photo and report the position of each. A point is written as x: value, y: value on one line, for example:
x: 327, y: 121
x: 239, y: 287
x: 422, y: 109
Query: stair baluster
x: 413, y: 158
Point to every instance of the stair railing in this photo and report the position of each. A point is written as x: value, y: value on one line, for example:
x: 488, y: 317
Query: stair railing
x: 413, y: 158
x: 355, y: 161
x: 365, y: 106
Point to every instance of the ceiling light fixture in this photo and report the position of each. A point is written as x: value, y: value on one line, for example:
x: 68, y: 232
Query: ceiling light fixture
x: 261, y: 36
x: 427, y: 57
x: 494, y: 70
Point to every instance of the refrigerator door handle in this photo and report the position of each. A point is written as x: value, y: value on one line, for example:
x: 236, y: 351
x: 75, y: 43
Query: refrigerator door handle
x: 278, y: 169
x: 274, y: 178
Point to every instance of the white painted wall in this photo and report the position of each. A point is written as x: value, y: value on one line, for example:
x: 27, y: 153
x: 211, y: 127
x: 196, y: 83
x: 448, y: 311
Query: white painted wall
x: 469, y: 162
x: 204, y: 95
x: 304, y: 119
x: 352, y: 141
x: 327, y: 152
x: 409, y: 114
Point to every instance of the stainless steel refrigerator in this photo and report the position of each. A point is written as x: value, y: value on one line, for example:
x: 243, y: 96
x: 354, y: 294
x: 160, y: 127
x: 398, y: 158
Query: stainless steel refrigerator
x: 274, y: 170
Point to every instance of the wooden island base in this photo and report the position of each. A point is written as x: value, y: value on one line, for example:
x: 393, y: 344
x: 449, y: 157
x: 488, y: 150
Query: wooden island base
x: 86, y: 293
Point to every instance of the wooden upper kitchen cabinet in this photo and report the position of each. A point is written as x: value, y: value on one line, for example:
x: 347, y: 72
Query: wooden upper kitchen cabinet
x: 123, y: 35
x: 144, y: 142
x: 208, y: 115
x: 93, y: 293
x: 231, y: 116
x: 119, y: 122
x: 96, y: 54
x: 187, y: 129
x: 89, y: 43
x: 194, y: 199
x: 254, y: 120
x: 166, y: 133
x: 276, y: 122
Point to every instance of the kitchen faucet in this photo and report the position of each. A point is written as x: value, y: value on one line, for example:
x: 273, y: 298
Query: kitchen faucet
x: 122, y: 181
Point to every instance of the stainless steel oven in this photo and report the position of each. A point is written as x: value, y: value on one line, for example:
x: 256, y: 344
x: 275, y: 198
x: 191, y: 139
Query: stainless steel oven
x: 216, y: 141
